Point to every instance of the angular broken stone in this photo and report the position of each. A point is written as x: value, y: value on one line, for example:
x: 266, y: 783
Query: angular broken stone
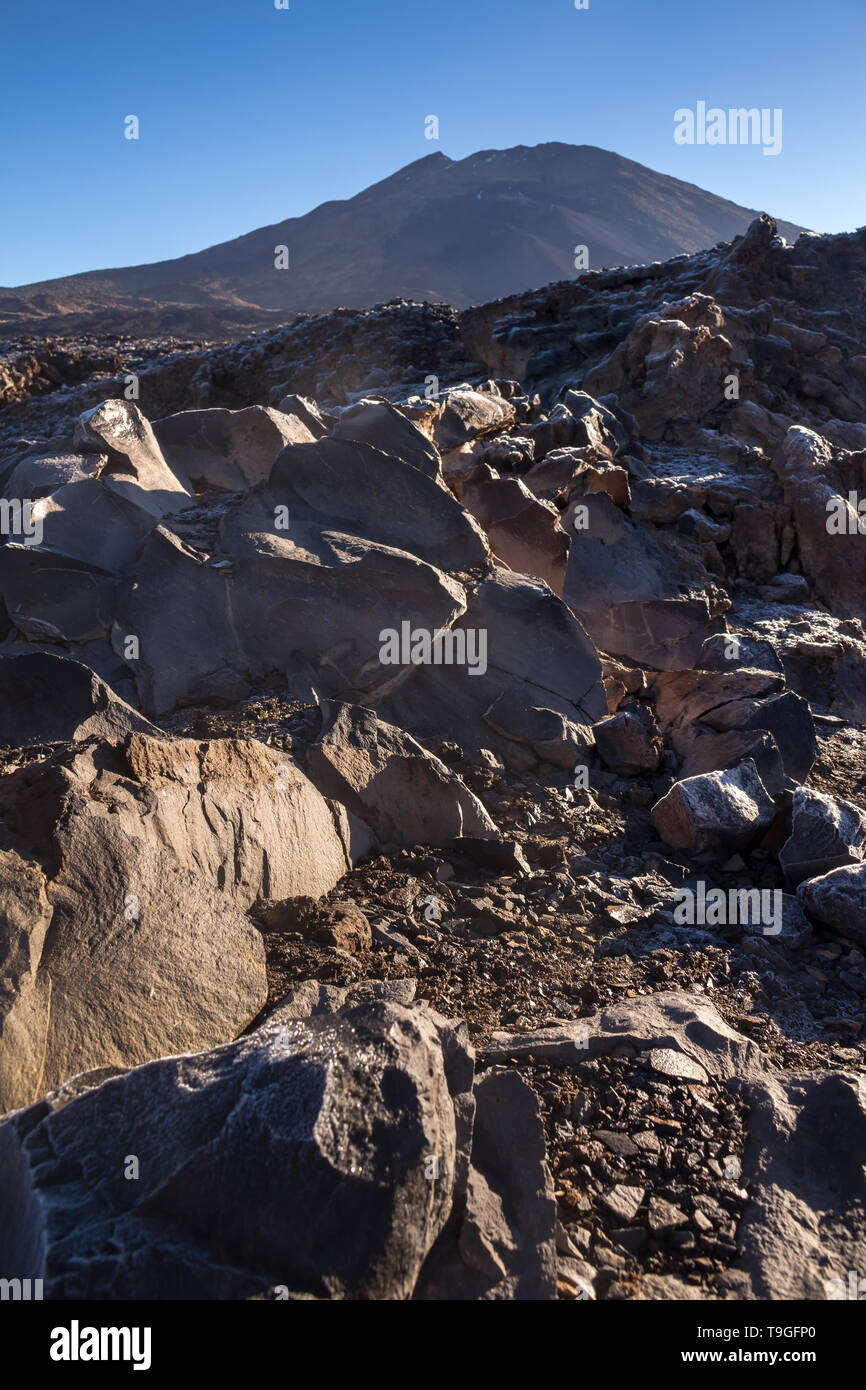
x: 639, y: 600
x: 623, y: 1201
x: 384, y: 427
x: 838, y: 900
x: 663, y: 1217
x: 243, y: 815
x: 816, y: 479
x: 386, y: 779
x: 713, y: 752
x: 500, y: 1242
x: 143, y: 958
x: 53, y: 598
x: 676, y: 1065
x: 152, y: 849
x: 524, y: 533
x: 303, y: 409
x: 553, y: 738
x: 118, y: 429
x: 295, y: 1157
x: 469, y: 414
x: 715, y: 811
x: 826, y: 833
x: 50, y: 699
x: 41, y: 474
x: 804, y: 1228
x: 628, y: 743
x: 533, y: 644
x: 717, y: 653
x: 672, y: 1020
x: 229, y: 449
x: 789, y: 719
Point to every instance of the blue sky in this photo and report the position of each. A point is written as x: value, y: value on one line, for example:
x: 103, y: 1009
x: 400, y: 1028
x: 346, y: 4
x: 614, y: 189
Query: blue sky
x: 251, y: 114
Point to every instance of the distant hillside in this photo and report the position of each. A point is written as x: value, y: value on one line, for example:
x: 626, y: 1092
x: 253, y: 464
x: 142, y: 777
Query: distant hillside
x: 462, y: 232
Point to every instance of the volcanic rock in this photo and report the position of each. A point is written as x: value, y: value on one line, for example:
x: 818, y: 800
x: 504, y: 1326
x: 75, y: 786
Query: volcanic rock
x: 49, y: 699
x: 386, y: 779
x: 292, y: 1158
x: 629, y: 743
x: 378, y: 423
x: 715, y: 811
x: 638, y: 600
x: 838, y: 900
x: 826, y: 833
x: 230, y: 449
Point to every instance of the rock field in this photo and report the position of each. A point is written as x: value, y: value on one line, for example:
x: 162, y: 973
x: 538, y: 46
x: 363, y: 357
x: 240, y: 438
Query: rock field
x: 433, y: 796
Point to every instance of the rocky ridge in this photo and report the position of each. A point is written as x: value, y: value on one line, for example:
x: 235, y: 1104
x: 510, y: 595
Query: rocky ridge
x: 444, y: 798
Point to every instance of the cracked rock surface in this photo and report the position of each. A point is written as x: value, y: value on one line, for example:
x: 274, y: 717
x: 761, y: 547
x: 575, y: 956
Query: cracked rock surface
x: 432, y: 828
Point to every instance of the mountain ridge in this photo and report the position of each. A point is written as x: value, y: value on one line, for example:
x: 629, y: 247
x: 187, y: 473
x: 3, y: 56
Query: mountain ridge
x: 461, y: 232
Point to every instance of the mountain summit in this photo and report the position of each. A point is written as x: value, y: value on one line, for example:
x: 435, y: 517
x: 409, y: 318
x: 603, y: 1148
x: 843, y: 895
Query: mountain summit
x: 459, y: 231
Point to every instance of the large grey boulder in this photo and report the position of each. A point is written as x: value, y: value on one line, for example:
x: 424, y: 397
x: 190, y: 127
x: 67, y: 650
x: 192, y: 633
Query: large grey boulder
x: 695, y: 707
x: 89, y: 528
x: 50, y: 699
x: 468, y: 415
x: 96, y: 654
x: 639, y: 599
x: 142, y: 857
x: 298, y: 1161
x: 500, y: 1242
x: 817, y: 479
x: 629, y: 742
x: 135, y: 461
x: 552, y: 737
x: 804, y: 1228
x: 386, y: 779
x: 89, y: 520
x: 311, y: 572
x: 37, y: 475
x: 386, y: 428
x: 524, y: 533
x: 337, y: 488
x: 275, y: 608
x: 53, y: 598
x: 143, y: 958
x: 177, y: 607
x: 94, y: 511
x: 826, y: 832
x: 241, y: 814
x: 229, y: 449
x: 533, y: 646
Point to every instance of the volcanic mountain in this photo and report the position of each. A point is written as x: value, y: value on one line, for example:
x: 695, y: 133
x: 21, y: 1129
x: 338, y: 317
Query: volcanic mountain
x: 458, y: 231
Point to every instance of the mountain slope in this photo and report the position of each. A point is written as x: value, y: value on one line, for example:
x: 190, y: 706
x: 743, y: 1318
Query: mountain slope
x: 462, y: 232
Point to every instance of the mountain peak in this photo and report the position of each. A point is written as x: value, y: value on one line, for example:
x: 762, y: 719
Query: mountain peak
x: 460, y: 231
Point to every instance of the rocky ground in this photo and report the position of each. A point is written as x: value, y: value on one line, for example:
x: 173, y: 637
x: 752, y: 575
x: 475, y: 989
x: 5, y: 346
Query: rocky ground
x: 437, y: 976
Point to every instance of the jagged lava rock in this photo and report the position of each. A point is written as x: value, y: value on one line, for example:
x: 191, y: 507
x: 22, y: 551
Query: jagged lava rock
x: 838, y: 900
x: 715, y: 811
x: 294, y: 1157
x: 628, y: 742
x: 826, y: 833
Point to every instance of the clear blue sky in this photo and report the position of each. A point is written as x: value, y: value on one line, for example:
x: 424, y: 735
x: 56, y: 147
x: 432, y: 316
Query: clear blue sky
x: 251, y: 114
